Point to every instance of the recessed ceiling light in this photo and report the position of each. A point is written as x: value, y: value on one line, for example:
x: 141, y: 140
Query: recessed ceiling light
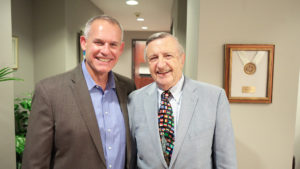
x: 132, y: 2
x: 140, y: 19
x: 144, y: 27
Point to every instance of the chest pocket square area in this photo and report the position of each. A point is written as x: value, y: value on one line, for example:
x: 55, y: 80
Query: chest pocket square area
x: 203, y: 133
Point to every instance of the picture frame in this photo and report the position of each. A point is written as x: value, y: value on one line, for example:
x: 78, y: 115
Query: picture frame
x: 15, y: 52
x: 249, y: 72
x: 140, y: 67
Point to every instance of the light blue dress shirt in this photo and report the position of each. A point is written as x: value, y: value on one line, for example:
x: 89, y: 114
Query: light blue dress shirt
x: 110, y: 120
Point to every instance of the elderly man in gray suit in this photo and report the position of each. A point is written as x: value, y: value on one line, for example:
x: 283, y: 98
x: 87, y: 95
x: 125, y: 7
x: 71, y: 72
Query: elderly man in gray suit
x: 176, y: 122
x: 79, y: 119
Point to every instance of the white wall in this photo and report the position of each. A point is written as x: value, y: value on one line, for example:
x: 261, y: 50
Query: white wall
x: 22, y: 28
x: 264, y: 132
x: 7, y: 139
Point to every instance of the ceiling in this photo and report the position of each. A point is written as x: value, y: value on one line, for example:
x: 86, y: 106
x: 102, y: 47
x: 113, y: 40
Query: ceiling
x: 157, y: 13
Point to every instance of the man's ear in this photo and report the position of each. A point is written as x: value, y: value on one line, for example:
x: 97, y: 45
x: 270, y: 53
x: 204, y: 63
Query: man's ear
x: 182, y: 58
x: 83, y: 42
x: 122, y: 47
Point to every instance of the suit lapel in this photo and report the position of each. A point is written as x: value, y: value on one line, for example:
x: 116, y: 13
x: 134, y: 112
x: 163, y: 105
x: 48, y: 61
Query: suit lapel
x: 151, y: 108
x: 122, y: 93
x: 188, y: 104
x: 84, y: 102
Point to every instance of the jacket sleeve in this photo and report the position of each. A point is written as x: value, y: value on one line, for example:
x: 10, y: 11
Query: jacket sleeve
x: 224, y: 152
x: 40, y: 132
x: 133, y: 162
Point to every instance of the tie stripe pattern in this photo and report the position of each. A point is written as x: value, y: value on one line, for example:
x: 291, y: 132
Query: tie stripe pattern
x: 166, y: 126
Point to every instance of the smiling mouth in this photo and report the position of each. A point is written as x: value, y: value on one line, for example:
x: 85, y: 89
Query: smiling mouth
x: 162, y: 73
x: 103, y: 59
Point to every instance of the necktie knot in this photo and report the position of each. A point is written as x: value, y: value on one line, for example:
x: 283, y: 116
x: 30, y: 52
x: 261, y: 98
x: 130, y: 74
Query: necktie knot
x: 165, y: 95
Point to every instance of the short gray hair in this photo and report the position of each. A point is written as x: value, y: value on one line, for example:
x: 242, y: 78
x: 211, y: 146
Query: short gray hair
x: 102, y: 17
x: 161, y: 35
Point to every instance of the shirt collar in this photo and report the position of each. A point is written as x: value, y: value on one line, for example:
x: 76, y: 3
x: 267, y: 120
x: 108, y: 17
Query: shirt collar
x: 91, y: 83
x: 176, y: 90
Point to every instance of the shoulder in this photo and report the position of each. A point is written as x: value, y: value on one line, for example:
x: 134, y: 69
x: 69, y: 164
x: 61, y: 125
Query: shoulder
x: 143, y: 91
x: 199, y: 84
x: 122, y: 78
x: 202, y: 88
x: 124, y: 81
x: 60, y: 80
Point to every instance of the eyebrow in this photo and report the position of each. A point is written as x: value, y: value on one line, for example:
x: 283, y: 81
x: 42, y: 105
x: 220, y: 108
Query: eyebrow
x: 98, y: 39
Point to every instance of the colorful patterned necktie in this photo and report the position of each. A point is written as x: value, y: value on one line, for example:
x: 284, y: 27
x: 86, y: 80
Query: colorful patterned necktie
x: 166, y: 126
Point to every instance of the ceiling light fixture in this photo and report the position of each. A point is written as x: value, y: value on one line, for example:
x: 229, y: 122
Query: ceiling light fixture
x: 138, y: 18
x: 132, y: 2
x: 144, y: 27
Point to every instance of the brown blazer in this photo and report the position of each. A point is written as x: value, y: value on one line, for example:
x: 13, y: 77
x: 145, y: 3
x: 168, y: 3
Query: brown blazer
x: 63, y: 132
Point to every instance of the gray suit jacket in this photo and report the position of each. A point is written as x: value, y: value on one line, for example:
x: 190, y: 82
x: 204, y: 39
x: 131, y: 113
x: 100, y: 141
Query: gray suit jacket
x: 204, y: 137
x: 63, y: 132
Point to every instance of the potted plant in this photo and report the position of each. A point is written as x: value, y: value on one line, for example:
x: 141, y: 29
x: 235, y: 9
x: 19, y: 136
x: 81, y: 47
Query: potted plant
x: 22, y: 110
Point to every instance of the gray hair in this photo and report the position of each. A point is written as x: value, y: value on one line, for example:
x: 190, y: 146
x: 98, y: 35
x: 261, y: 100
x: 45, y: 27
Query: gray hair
x: 102, y: 17
x: 161, y: 35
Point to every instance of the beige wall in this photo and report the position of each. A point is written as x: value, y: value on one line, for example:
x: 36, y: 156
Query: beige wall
x: 125, y: 61
x: 179, y: 21
x: 297, y: 132
x: 7, y: 139
x: 264, y: 132
x: 55, y: 33
x: 52, y: 48
x: 192, y: 36
x: 22, y: 28
x: 77, y: 14
x: 49, y: 38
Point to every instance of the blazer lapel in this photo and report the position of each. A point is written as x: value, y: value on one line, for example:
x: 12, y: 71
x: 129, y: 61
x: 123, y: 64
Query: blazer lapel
x: 151, y: 110
x: 84, y: 102
x: 188, y: 104
x: 122, y: 93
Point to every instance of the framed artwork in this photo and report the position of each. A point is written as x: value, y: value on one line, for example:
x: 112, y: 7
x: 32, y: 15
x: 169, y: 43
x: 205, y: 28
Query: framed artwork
x: 81, y: 53
x: 15, y: 52
x: 140, y: 68
x: 249, y: 72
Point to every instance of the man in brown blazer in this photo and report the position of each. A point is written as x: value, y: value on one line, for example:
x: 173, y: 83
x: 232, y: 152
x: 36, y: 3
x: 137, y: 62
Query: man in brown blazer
x: 79, y: 119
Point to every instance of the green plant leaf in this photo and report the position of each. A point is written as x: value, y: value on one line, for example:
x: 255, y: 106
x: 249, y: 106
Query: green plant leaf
x: 20, y: 144
x: 26, y: 104
x: 16, y: 107
x: 6, y: 71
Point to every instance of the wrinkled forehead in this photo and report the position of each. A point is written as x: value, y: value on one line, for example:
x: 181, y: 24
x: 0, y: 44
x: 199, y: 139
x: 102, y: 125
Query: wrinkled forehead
x: 163, y: 45
x: 106, y: 28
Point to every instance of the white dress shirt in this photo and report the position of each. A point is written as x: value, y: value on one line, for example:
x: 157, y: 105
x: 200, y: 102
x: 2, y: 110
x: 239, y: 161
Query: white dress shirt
x: 175, y: 100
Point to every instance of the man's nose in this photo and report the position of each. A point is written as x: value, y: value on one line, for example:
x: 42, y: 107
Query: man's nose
x: 105, y: 49
x: 161, y: 63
